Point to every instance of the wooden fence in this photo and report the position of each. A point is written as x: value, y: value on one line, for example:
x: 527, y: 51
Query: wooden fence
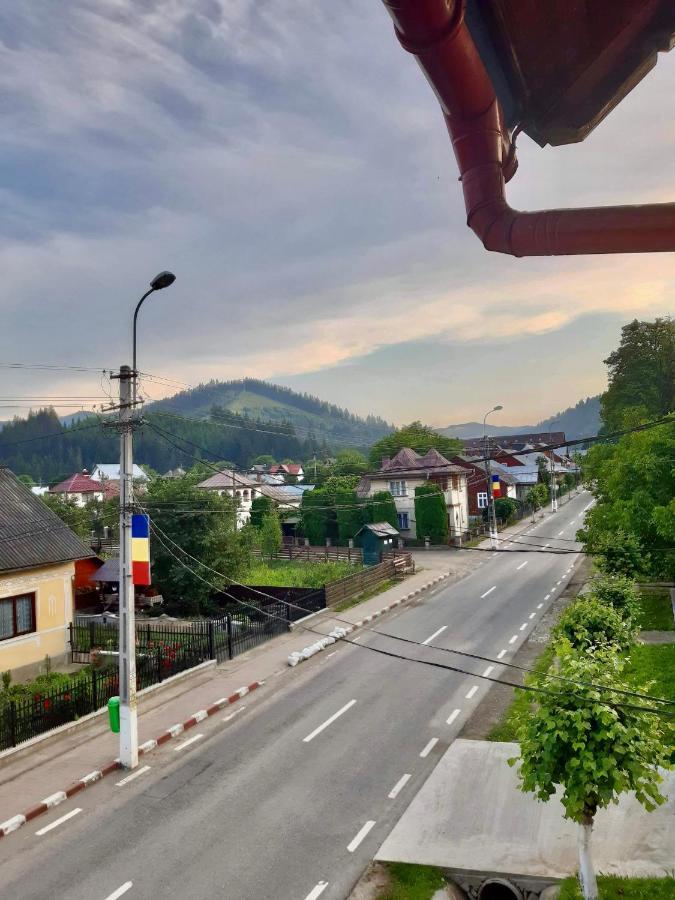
x: 352, y: 555
x: 365, y: 580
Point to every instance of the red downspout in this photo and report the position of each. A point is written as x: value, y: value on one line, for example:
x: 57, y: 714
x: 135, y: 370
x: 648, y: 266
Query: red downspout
x: 435, y: 32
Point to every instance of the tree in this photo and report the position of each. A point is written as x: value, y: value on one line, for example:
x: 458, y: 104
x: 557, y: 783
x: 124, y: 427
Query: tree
x: 350, y: 515
x: 505, y: 507
x: 584, y: 741
x: 271, y: 537
x: 201, y: 524
x: 264, y: 459
x: 418, y: 437
x: 350, y: 462
x: 641, y: 377
x: 260, y: 507
x: 430, y: 513
x: 588, y: 623
x: 335, y: 483
x: 78, y: 518
x: 537, y: 496
x: 381, y: 508
x: 319, y: 520
x: 618, y: 592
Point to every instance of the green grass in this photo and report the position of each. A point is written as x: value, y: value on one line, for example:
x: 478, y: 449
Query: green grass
x: 656, y: 612
x: 354, y: 601
x: 611, y: 887
x: 278, y: 573
x: 506, y: 730
x: 409, y: 882
x: 653, y: 662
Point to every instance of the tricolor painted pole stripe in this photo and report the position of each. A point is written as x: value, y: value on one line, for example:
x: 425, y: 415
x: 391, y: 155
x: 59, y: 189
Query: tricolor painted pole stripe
x: 496, y: 487
x: 140, y: 549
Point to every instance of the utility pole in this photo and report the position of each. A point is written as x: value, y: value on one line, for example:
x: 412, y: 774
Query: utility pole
x: 127, y: 610
x: 492, y: 516
x: 554, y: 495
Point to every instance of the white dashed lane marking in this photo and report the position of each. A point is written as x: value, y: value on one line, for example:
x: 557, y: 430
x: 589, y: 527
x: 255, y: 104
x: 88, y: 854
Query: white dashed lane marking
x: 58, y: 822
x: 340, y: 712
x: 471, y: 692
x: 453, y: 715
x: 493, y: 588
x: 435, y: 634
x: 429, y: 747
x: 363, y: 833
x: 398, y: 787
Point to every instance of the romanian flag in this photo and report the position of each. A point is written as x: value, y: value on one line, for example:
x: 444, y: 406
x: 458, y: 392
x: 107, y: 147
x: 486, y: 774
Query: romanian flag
x: 140, y: 549
x: 496, y: 487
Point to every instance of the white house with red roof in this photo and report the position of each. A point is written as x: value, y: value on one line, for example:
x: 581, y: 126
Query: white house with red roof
x: 80, y: 487
x: 291, y: 470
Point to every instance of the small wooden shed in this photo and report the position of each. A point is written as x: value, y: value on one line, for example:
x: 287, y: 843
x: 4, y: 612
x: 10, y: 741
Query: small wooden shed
x: 375, y: 538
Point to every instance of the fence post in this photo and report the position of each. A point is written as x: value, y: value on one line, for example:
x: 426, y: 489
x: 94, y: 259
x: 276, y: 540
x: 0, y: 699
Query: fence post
x: 211, y: 641
x: 229, y: 636
x: 92, y: 635
x: 94, y: 690
x: 159, y: 663
x: 12, y: 722
x: 72, y: 646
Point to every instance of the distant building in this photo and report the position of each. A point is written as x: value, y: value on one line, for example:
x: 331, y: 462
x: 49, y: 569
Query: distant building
x: 111, y: 472
x: 288, y: 470
x: 244, y: 490
x: 516, y: 442
x: 80, y: 487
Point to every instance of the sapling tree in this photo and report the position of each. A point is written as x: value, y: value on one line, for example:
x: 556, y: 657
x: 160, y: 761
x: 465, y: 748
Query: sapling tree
x: 589, y: 743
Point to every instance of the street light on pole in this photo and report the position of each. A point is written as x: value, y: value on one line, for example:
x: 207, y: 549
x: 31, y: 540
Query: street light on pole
x: 554, y: 487
x: 492, y: 515
x: 127, y: 624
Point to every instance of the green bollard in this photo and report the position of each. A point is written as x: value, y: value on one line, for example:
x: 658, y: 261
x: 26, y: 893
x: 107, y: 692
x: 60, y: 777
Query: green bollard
x: 114, y: 714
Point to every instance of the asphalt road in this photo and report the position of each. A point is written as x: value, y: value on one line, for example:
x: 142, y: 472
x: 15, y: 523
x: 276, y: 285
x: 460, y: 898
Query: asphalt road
x: 291, y: 797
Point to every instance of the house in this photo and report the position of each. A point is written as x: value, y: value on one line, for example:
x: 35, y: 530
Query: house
x: 515, y: 441
x: 288, y: 470
x: 110, y: 472
x: 80, y: 487
x: 244, y: 490
x: 477, y: 483
x: 178, y: 472
x: 408, y: 470
x: 38, y: 553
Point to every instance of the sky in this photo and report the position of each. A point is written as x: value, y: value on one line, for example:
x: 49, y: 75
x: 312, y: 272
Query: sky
x: 288, y: 161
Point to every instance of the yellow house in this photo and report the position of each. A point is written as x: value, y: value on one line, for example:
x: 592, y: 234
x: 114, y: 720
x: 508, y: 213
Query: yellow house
x: 37, y: 568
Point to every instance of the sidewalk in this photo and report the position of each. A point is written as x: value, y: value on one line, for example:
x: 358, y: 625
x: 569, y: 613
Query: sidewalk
x: 36, y: 772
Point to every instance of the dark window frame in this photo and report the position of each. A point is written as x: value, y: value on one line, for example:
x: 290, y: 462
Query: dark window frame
x: 15, y: 632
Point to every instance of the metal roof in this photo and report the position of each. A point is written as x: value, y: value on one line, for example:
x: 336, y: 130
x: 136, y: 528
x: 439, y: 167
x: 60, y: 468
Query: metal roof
x: 31, y: 534
x: 380, y: 529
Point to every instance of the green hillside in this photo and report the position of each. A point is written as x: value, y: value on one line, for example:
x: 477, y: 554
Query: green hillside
x: 271, y: 403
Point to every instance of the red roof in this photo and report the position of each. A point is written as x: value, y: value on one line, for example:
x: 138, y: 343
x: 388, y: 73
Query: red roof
x: 79, y: 483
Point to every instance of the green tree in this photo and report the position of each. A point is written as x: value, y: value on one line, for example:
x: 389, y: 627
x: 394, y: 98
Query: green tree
x: 198, y: 523
x: 78, y: 518
x: 537, y: 496
x: 264, y: 459
x: 418, y: 437
x: 350, y: 515
x: 318, y: 516
x: 271, y: 537
x: 260, y: 507
x: 381, y: 508
x: 430, y: 513
x: 335, y: 483
x: 584, y: 741
x: 641, y: 377
x: 618, y: 592
x: 505, y: 507
x: 350, y: 462
x: 589, y: 623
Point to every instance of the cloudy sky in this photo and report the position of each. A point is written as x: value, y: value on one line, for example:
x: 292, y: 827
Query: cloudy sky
x: 289, y: 162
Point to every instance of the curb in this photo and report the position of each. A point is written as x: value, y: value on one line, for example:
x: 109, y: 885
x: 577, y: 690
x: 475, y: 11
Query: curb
x: 15, y: 822
x: 338, y: 633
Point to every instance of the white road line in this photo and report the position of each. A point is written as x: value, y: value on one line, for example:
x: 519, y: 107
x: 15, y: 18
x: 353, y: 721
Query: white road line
x: 313, y: 734
x: 360, y: 836
x: 471, y: 692
x: 532, y: 615
x: 133, y: 775
x: 522, y: 565
x: 435, y: 634
x: 398, y: 787
x: 539, y: 605
x: 493, y: 588
x: 235, y: 713
x: 317, y: 890
x: 429, y: 747
x: 122, y: 889
x: 547, y: 596
x: 558, y: 583
x: 453, y: 715
x: 493, y: 555
x: 328, y: 656
x: 523, y: 626
x: 184, y: 744
x: 588, y: 507
x: 513, y: 639
x: 58, y: 822
x: 561, y: 532
x: 488, y: 671
x: 501, y: 654
x: 357, y: 638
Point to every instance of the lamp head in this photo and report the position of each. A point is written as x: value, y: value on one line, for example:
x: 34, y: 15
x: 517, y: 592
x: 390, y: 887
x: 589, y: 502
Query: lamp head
x: 163, y: 280
x: 497, y: 408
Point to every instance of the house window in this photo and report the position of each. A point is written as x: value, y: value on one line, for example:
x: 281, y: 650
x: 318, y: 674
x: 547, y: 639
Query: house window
x: 403, y: 521
x: 17, y: 616
x: 398, y: 488
x: 482, y: 499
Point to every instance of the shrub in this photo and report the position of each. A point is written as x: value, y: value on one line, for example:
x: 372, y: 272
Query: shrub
x: 589, y: 622
x: 619, y: 592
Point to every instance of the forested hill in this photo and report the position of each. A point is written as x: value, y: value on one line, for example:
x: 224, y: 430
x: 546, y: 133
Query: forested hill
x: 265, y: 402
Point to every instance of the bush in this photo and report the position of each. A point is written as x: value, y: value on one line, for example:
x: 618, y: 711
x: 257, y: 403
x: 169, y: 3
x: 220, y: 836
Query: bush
x: 619, y: 592
x: 619, y: 553
x: 430, y: 513
x: 589, y: 622
x: 505, y: 508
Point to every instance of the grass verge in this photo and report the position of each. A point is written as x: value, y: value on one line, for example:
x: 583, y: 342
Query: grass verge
x: 410, y: 882
x: 279, y: 573
x: 354, y: 601
x: 656, y: 663
x: 656, y: 612
x: 611, y: 887
x: 506, y: 729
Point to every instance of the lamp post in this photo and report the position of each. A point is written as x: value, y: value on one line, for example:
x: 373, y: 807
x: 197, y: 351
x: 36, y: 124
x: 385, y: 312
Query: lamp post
x: 492, y: 516
x: 127, y: 624
x: 554, y: 487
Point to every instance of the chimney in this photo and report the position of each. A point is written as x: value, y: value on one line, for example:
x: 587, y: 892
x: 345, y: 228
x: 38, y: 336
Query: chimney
x: 385, y: 461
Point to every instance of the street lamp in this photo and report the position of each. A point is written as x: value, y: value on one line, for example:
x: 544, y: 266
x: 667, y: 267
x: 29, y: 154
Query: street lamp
x: 492, y: 515
x: 127, y: 622
x: 554, y: 492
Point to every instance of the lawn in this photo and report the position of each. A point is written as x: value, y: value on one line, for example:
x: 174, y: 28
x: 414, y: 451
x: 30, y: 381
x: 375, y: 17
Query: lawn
x: 409, y: 882
x: 278, y: 573
x: 611, y: 887
x: 354, y: 601
x: 506, y: 730
x: 656, y: 612
x: 653, y: 662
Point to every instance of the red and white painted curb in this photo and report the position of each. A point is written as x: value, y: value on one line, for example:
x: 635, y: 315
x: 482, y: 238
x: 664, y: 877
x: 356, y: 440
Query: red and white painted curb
x: 91, y: 777
x: 336, y: 634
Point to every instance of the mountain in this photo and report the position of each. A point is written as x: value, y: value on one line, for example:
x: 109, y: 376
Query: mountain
x: 576, y: 421
x: 263, y: 402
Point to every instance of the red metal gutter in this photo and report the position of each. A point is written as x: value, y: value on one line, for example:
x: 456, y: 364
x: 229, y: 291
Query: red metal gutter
x: 435, y: 32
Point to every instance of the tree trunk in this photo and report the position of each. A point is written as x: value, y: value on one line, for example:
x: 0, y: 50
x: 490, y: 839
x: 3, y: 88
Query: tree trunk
x: 589, y: 885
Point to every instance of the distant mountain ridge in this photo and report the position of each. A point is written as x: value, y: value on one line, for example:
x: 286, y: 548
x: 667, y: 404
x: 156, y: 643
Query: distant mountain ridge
x: 577, y: 421
x: 271, y: 403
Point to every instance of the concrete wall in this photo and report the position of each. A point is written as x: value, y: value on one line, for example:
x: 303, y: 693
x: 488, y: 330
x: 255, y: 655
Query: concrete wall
x: 53, y: 587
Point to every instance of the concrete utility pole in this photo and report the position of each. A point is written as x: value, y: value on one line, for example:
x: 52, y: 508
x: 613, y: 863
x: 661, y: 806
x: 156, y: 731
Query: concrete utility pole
x: 554, y: 486
x: 492, y: 515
